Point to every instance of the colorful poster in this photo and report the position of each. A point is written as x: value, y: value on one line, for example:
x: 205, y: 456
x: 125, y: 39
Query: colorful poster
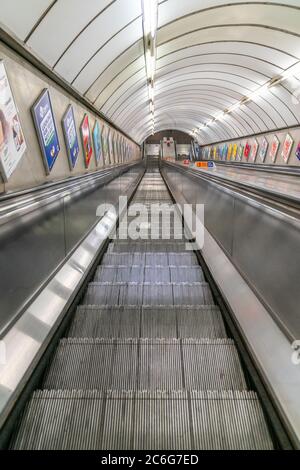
x: 254, y: 151
x: 105, y: 144
x: 97, y: 142
x: 197, y: 151
x: 298, y: 151
x: 70, y: 134
x: 46, y: 129
x: 240, y: 152
x: 214, y: 153
x: 115, y: 146
x: 12, y: 141
x: 274, y: 148
x: 225, y: 152
x: 247, y: 150
x: 86, y: 140
x: 234, y: 151
x: 263, y: 149
x: 287, y: 148
x: 110, y: 146
x: 229, y: 154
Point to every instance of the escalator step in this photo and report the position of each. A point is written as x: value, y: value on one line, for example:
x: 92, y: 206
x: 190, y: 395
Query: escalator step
x: 144, y: 420
x: 145, y: 364
x: 129, y: 293
x: 147, y: 322
x: 138, y: 273
x: 146, y: 246
x: 150, y: 259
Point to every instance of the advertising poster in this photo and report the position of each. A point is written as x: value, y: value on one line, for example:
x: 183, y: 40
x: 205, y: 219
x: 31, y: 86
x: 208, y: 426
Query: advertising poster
x: 86, y: 140
x: 287, y: 148
x: 263, y: 149
x: 254, y: 151
x: 12, y: 141
x: 229, y: 154
x: 234, y: 151
x: 115, y: 147
x: 298, y: 151
x: 214, y: 153
x: 104, y: 144
x: 97, y: 142
x: 240, y: 152
x: 225, y: 152
x: 110, y: 146
x: 274, y: 148
x: 46, y: 129
x: 70, y: 134
x: 197, y: 150
x: 247, y: 150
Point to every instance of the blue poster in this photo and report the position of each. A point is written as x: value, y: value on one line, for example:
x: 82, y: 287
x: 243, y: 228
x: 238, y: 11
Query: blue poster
x: 46, y: 129
x: 97, y: 141
x: 69, y: 128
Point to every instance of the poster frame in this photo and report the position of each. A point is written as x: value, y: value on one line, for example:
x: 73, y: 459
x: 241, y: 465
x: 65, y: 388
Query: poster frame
x: 70, y: 108
x: 45, y: 92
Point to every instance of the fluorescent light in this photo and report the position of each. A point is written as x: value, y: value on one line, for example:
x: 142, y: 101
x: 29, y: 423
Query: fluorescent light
x: 151, y: 107
x: 150, y: 9
x: 150, y: 65
x: 151, y: 91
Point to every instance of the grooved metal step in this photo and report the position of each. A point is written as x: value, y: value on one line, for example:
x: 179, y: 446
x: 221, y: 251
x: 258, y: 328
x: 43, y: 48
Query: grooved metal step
x: 150, y: 259
x: 146, y: 246
x: 130, y: 293
x: 147, y: 322
x: 139, y: 273
x: 142, y: 420
x: 145, y: 364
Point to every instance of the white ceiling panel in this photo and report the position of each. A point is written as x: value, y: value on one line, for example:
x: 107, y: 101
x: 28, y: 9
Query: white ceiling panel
x: 20, y: 16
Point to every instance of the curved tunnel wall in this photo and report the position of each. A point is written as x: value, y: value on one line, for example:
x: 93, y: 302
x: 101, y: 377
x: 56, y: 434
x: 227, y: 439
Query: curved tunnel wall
x: 27, y: 83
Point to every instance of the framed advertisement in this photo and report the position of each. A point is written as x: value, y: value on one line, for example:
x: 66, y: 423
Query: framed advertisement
x: 263, y: 149
x: 86, y: 140
x: 97, y: 142
x: 298, y: 151
x: 274, y: 148
x: 110, y: 146
x: 225, y: 152
x: 287, y: 148
x: 105, y: 144
x: 70, y: 135
x: 229, y: 153
x: 115, y: 147
x: 254, y: 151
x: 247, y: 150
x: 240, y: 152
x: 44, y: 122
x: 12, y: 140
x: 234, y: 151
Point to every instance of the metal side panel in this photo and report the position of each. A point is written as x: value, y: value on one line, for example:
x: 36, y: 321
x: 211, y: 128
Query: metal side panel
x: 150, y: 420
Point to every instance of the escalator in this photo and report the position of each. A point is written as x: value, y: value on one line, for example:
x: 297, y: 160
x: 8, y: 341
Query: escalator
x: 146, y: 363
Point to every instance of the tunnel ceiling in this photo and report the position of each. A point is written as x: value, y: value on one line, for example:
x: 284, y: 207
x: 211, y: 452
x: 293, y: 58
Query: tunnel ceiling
x: 209, y: 55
